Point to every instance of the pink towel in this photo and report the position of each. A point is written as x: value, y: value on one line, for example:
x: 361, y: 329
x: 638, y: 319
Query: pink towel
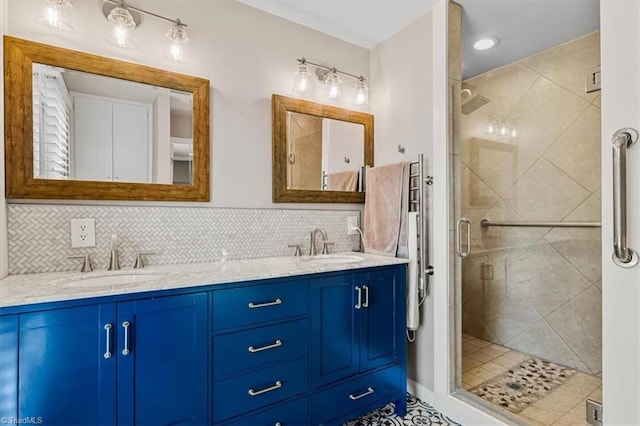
x: 385, y: 209
x: 343, y: 181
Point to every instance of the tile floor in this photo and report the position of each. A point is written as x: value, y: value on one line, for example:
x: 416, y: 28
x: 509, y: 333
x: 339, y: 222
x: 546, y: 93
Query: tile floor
x: 418, y: 413
x: 564, y: 405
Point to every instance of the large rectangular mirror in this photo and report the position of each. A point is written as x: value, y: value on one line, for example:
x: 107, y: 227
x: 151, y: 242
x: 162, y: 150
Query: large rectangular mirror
x: 80, y: 126
x: 319, y: 152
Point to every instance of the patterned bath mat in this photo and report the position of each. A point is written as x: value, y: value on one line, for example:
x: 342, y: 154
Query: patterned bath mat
x: 418, y: 413
x: 523, y: 384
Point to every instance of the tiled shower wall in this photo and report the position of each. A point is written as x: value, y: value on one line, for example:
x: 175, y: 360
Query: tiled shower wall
x: 537, y: 290
x: 40, y: 239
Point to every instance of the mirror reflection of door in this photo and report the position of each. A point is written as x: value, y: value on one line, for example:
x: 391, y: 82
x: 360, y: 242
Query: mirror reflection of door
x: 323, y: 154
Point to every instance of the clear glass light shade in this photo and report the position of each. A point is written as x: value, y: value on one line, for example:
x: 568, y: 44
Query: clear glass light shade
x: 332, y: 85
x: 301, y: 79
x: 56, y: 14
x: 360, y: 94
x: 123, y: 24
x: 177, y: 44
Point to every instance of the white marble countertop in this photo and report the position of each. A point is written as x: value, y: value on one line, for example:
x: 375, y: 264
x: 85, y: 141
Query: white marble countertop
x: 16, y: 290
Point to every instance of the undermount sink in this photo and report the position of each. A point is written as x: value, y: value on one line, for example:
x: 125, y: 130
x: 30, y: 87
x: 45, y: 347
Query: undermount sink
x: 103, y: 280
x: 331, y: 259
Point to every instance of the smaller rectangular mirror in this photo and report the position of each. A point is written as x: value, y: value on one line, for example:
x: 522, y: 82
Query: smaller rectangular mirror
x: 319, y: 152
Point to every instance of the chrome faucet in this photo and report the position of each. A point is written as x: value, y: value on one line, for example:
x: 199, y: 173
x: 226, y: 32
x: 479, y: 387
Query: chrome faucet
x: 114, y: 262
x: 312, y: 248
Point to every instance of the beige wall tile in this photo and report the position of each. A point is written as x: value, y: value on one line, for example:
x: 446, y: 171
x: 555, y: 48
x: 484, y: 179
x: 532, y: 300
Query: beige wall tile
x: 541, y: 340
x: 545, y: 193
x: 506, y: 85
x: 540, y: 61
x: 577, y: 150
x: 568, y: 67
x: 546, y: 279
x: 544, y: 113
x: 579, y: 324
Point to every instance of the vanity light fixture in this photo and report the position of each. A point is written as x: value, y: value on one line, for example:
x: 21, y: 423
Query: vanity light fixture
x: 330, y: 77
x: 486, y: 43
x: 56, y: 14
x: 124, y: 18
x: 502, y: 127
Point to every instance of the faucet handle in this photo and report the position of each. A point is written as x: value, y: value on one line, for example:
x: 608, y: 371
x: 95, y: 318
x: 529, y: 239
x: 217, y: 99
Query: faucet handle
x: 86, y: 263
x: 139, y: 264
x: 325, y: 246
x: 297, y: 247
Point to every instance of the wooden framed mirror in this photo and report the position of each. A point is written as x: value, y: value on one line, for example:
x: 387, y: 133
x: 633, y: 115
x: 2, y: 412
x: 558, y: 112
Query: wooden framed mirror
x: 80, y: 126
x: 319, y: 152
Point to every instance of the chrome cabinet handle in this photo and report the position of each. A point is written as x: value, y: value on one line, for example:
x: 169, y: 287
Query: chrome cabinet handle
x: 623, y: 256
x: 459, y: 251
x: 369, y: 391
x: 264, y: 305
x: 359, y: 304
x: 107, y: 347
x: 276, y: 344
x: 276, y: 385
x: 126, y: 325
x: 366, y: 296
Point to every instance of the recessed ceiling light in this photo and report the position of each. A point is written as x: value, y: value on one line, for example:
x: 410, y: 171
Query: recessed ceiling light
x: 485, y: 43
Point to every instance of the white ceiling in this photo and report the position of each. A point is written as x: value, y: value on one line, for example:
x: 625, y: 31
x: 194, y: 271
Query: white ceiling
x: 524, y: 27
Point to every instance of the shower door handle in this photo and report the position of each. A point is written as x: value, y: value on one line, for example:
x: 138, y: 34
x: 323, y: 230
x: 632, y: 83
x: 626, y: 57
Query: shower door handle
x: 623, y: 256
x: 459, y: 251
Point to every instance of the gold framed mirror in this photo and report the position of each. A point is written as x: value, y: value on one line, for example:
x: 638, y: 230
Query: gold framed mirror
x: 85, y: 127
x: 319, y: 152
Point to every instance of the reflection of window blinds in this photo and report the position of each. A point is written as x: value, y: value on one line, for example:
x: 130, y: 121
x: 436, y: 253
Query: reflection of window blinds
x: 51, y: 116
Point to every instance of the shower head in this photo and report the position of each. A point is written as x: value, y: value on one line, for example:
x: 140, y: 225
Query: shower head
x: 472, y: 100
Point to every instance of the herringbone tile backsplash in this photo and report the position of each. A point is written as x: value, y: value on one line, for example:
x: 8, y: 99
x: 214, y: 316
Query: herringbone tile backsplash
x: 40, y: 236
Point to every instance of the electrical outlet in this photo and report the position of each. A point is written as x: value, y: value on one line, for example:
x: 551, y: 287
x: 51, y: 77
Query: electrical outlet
x: 83, y: 232
x: 352, y: 224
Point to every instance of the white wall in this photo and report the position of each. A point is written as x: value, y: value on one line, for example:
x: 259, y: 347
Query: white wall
x: 341, y: 139
x: 401, y: 101
x: 246, y: 54
x: 4, y: 260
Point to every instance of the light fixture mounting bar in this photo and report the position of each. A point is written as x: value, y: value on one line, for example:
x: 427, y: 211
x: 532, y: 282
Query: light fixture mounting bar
x: 303, y: 61
x: 176, y: 21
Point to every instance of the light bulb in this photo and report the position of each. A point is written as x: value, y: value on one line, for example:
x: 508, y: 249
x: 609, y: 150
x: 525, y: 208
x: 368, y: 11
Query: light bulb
x: 360, y: 93
x: 177, y: 43
x: 503, y: 130
x: 491, y: 130
x: 122, y: 22
x: 332, y: 85
x: 56, y: 14
x: 514, y: 133
x: 301, y: 79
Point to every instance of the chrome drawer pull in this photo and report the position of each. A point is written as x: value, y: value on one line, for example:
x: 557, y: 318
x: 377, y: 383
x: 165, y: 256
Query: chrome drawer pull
x: 264, y: 305
x: 359, y: 304
x: 277, y: 385
x: 107, y: 347
x: 276, y: 344
x: 366, y: 296
x: 369, y: 391
x: 126, y: 325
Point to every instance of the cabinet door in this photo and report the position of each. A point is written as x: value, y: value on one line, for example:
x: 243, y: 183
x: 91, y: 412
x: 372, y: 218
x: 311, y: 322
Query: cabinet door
x: 92, y: 139
x: 64, y: 377
x: 163, y: 377
x: 335, y: 338
x: 130, y: 143
x: 8, y: 366
x: 384, y: 319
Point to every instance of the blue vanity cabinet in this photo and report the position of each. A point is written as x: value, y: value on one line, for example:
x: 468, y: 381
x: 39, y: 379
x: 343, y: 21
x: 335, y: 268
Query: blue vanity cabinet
x: 63, y: 374
x: 358, y: 357
x: 162, y: 360
x: 81, y: 365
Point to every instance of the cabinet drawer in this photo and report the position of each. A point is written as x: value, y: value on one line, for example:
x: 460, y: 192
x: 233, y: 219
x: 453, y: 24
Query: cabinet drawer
x: 241, y: 394
x: 344, y: 398
x: 243, y: 306
x: 237, y: 352
x: 293, y: 413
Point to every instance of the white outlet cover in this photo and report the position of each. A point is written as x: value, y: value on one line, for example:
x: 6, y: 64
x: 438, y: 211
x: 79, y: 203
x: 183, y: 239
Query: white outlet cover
x: 83, y: 232
x: 352, y: 224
